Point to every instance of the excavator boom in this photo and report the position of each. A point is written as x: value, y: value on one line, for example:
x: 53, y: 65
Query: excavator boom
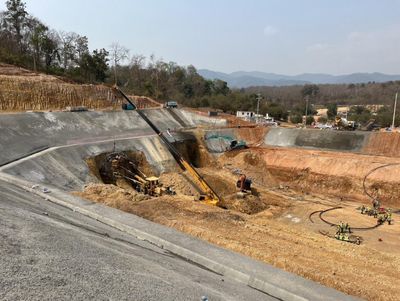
x: 211, y: 197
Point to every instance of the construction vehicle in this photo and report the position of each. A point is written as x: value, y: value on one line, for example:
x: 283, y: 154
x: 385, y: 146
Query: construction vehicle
x: 344, y: 124
x: 117, y: 165
x: 236, y: 145
x: 170, y: 104
x: 128, y: 107
x: 208, y: 196
x: 370, y: 125
x: 243, y: 183
x: 233, y: 143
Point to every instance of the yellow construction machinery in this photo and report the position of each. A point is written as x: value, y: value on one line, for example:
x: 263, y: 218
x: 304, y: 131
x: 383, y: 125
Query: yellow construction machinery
x: 208, y: 196
x: 118, y: 166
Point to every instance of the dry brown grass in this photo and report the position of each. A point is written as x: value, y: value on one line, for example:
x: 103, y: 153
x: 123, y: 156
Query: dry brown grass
x: 42, y: 92
x: 23, y: 90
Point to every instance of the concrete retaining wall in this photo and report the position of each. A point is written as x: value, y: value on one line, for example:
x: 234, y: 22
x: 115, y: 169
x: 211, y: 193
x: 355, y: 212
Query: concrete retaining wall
x: 317, y: 139
x: 197, y: 119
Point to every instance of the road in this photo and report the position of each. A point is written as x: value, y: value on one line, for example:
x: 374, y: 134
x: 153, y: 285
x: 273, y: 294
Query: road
x: 48, y: 252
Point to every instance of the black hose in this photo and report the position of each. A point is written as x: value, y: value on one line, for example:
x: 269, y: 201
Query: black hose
x: 324, y: 211
x: 372, y: 171
x: 311, y: 214
x: 321, y: 212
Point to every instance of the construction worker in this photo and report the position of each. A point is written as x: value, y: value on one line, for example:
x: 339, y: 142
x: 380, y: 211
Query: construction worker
x: 242, y: 180
x: 381, y: 219
x: 375, y: 202
x: 389, y: 216
x: 338, y: 230
x: 342, y: 226
x: 347, y: 228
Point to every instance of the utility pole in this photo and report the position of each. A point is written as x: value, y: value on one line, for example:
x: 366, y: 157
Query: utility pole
x: 259, y: 97
x: 394, y: 110
x: 305, y: 119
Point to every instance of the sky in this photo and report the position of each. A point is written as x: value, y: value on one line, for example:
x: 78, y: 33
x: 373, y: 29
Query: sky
x: 279, y: 36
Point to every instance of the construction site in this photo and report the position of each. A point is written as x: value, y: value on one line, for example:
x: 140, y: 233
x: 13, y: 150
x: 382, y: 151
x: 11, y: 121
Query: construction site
x: 321, y: 204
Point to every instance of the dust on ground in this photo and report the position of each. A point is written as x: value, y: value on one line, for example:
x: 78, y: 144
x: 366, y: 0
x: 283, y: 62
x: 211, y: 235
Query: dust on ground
x: 280, y: 234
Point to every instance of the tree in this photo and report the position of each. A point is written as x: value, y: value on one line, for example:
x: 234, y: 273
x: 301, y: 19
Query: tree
x: 37, y: 38
x: 50, y: 49
x: 332, y: 110
x: 309, y: 120
x: 68, y: 41
x: 15, y: 17
x: 296, y: 118
x: 277, y: 111
x: 220, y: 87
x: 95, y: 65
x: 384, y: 117
x: 310, y: 91
x: 322, y: 119
x: 359, y: 114
x: 81, y: 48
x: 100, y: 64
x: 118, y: 54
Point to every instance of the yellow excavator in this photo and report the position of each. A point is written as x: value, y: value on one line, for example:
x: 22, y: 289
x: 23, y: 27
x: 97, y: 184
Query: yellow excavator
x: 208, y: 196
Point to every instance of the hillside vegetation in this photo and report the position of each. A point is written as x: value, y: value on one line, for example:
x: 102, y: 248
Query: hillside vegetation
x: 27, y: 42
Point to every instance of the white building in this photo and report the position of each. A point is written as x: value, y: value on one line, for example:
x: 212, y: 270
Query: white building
x: 245, y: 114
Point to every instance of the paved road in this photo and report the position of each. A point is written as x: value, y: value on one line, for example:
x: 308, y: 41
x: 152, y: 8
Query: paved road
x: 48, y: 252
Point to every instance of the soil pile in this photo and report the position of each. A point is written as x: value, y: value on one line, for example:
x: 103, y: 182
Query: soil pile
x: 112, y: 195
x: 252, y: 136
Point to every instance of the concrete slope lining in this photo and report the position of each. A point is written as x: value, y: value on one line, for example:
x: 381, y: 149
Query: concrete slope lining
x: 65, y: 167
x: 175, y: 114
x: 23, y: 133
x: 317, y: 139
x: 200, y: 120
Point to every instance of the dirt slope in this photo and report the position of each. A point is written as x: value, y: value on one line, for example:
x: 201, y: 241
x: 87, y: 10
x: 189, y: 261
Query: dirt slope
x: 385, y: 144
x: 22, y: 90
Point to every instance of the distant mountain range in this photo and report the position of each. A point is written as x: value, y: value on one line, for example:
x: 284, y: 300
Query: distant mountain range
x: 243, y: 79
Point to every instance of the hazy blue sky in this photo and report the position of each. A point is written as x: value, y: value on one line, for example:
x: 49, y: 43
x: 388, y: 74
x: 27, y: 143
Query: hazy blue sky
x: 281, y: 36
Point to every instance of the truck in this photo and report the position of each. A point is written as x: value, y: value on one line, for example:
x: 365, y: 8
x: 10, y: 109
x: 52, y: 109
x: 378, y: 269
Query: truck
x: 170, y: 104
x: 127, y: 107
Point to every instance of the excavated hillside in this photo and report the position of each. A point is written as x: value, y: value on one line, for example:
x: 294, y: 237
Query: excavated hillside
x: 296, y: 175
x: 24, y: 90
x: 275, y: 224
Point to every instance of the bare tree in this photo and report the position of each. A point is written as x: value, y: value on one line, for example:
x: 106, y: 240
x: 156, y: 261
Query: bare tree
x: 118, y: 54
x: 68, y: 48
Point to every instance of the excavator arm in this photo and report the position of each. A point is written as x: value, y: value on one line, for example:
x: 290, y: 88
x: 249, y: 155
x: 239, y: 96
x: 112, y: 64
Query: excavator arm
x: 210, y: 196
